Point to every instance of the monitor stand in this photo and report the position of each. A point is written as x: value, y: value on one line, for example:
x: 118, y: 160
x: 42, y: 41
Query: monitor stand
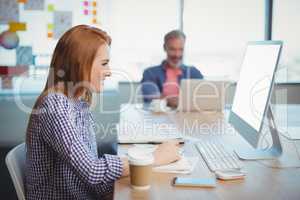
x: 264, y: 154
x: 282, y: 154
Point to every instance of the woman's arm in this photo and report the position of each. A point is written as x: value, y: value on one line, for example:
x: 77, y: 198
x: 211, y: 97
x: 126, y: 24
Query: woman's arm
x: 60, y: 133
x: 125, y: 164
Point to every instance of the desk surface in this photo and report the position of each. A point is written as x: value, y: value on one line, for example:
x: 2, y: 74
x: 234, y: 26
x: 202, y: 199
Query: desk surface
x: 261, y: 182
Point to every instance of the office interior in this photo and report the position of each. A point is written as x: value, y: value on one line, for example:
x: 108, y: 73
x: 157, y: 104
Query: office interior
x: 217, y: 33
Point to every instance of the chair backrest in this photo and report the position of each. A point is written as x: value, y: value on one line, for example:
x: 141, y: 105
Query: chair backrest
x: 15, y: 161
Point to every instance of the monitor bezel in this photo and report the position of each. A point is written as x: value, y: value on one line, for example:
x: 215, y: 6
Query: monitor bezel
x: 251, y: 135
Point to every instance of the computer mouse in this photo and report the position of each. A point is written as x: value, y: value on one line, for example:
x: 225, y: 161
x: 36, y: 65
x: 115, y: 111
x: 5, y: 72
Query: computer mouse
x: 229, y: 174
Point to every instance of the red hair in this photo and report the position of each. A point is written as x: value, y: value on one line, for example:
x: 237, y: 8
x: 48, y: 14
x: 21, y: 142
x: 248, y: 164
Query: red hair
x: 72, y: 60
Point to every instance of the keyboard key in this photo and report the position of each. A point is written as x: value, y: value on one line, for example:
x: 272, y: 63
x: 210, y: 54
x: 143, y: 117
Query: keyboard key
x: 217, y: 157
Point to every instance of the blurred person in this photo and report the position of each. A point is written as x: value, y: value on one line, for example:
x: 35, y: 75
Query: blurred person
x: 163, y: 81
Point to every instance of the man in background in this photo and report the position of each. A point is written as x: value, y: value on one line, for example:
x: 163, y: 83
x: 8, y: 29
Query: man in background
x: 163, y: 81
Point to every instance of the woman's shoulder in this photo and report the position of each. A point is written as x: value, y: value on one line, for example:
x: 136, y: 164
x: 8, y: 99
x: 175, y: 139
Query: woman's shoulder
x: 59, y: 101
x: 55, y: 100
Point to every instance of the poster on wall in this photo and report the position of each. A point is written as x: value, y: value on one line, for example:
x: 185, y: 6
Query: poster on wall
x: 62, y: 22
x: 9, y: 11
x: 24, y: 55
x: 30, y: 29
x: 34, y: 5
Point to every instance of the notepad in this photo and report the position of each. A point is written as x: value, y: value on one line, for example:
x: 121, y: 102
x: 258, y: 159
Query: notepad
x: 183, y: 166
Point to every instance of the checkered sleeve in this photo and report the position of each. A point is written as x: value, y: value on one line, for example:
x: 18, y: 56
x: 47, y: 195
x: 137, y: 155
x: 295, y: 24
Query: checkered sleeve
x: 61, y: 134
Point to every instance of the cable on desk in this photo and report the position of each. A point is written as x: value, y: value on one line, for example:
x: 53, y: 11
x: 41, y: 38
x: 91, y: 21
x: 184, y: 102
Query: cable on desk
x: 264, y: 140
x: 279, y: 167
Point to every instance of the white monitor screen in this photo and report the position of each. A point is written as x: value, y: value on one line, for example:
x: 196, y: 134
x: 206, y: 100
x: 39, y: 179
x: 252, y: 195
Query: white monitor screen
x: 255, y: 82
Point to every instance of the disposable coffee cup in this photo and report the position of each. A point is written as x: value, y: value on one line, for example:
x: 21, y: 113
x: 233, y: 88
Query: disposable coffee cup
x: 140, y: 165
x: 158, y: 105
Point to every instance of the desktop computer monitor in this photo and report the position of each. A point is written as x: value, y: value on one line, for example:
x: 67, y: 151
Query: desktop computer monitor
x: 252, y: 98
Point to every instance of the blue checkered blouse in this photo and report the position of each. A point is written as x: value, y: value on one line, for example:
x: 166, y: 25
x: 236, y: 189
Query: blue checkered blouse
x: 62, y: 160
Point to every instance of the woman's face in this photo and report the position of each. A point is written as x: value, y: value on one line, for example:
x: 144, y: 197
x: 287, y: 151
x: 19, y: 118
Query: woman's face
x: 100, y: 68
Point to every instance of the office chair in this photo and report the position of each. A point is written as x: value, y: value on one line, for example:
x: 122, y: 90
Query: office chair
x: 15, y: 162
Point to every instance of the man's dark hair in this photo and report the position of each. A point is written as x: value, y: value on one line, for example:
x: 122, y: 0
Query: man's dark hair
x: 173, y: 34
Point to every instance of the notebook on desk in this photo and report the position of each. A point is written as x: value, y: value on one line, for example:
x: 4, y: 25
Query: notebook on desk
x: 144, y: 136
x: 147, y: 139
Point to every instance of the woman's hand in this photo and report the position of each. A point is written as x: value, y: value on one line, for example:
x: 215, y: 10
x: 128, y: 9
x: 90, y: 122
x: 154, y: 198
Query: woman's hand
x: 166, y: 153
x: 172, y: 102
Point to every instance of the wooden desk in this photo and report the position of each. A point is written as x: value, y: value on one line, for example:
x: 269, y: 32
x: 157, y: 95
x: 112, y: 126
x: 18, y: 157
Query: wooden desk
x: 261, y: 182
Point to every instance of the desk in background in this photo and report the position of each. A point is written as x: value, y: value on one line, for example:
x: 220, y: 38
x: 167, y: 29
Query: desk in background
x: 261, y: 182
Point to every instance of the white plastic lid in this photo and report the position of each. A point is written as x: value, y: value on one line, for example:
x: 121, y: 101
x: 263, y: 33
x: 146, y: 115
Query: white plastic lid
x: 137, y: 156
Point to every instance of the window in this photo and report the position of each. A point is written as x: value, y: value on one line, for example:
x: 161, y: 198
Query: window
x: 218, y: 31
x: 286, y: 17
x: 137, y: 29
x: 217, y: 34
